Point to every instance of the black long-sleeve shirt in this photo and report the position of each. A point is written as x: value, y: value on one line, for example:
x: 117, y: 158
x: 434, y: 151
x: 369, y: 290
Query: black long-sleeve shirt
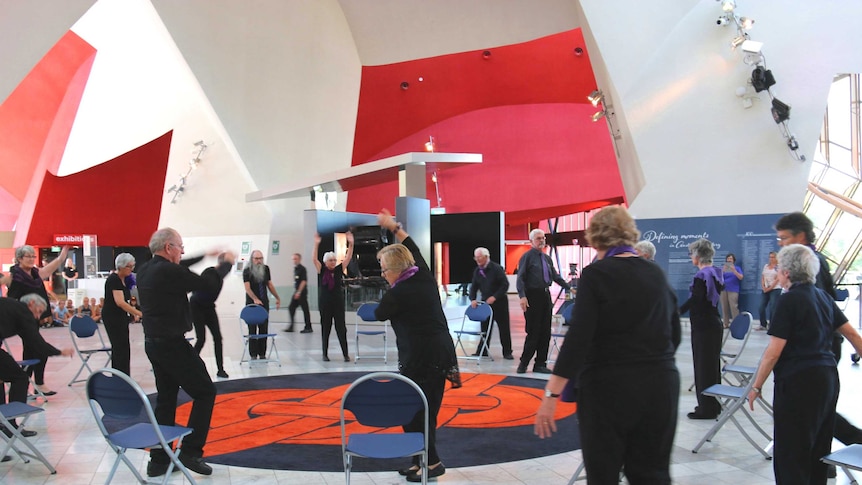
x: 626, y: 315
x: 531, y: 275
x: 16, y: 319
x: 493, y: 283
x: 163, y: 289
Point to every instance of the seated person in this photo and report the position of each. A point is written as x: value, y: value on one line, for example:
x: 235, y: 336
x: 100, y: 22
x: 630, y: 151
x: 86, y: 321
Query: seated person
x: 97, y: 310
x: 85, y: 308
x: 63, y: 312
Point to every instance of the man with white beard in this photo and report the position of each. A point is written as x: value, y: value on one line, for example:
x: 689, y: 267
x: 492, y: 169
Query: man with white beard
x: 257, y: 281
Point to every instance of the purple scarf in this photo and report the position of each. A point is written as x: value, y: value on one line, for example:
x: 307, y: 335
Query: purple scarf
x: 710, y: 275
x: 620, y: 250
x: 406, y: 274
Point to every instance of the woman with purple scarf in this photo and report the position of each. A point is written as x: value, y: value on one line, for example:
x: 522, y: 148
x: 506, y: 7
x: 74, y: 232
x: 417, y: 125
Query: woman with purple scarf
x: 426, y: 353
x: 330, y: 295
x: 706, y: 327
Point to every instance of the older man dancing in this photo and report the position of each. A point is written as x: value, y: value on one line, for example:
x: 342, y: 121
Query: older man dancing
x: 163, y: 286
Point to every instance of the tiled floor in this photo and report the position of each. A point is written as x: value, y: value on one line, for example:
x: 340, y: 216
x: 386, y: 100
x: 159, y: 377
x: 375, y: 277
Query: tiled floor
x: 69, y: 438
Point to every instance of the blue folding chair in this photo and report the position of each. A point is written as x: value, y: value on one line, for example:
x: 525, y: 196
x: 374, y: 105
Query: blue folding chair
x: 82, y: 329
x: 256, y: 315
x: 13, y: 411
x: 126, y: 419
x: 471, y: 325
x: 559, y: 333
x: 848, y: 458
x: 367, y: 324
x: 383, y: 400
x: 25, y: 366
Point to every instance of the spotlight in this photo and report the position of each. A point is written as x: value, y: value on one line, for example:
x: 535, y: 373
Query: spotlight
x: 405, y: 85
x: 430, y: 145
x: 486, y: 55
x: 598, y: 115
x: 761, y: 79
x: 746, y: 22
x: 596, y: 97
x: 579, y: 51
x: 780, y: 111
x: 792, y: 144
x: 737, y: 41
x: 728, y: 5
x: 722, y: 20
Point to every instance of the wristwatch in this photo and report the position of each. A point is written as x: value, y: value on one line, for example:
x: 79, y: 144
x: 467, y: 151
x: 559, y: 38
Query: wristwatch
x: 548, y: 393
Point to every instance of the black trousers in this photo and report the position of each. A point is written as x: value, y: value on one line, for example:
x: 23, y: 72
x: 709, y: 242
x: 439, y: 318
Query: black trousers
x: 433, y: 388
x: 333, y: 312
x: 538, y: 327
x: 121, y: 350
x: 804, y: 406
x: 204, y: 317
x: 257, y: 347
x: 176, y: 365
x: 501, y: 317
x: 627, y: 418
x: 18, y: 381
x: 301, y: 302
x: 706, y: 350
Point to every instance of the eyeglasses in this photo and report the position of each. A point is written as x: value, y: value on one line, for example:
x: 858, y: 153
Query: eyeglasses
x: 383, y: 271
x: 29, y: 256
x: 182, y: 248
x: 783, y: 238
x: 258, y: 259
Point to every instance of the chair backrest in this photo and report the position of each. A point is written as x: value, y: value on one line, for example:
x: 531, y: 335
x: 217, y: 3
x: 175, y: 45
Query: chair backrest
x: 384, y: 399
x: 366, y: 312
x: 741, y: 325
x: 740, y: 330
x: 253, y: 314
x: 842, y: 294
x: 118, y: 396
x: 83, y: 326
x: 567, y: 313
x: 480, y: 313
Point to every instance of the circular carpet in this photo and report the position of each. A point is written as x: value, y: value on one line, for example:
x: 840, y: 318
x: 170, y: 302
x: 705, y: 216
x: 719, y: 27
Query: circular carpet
x: 292, y: 422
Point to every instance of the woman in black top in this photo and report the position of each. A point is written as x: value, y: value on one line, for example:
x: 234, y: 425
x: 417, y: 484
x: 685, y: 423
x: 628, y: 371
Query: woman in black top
x: 23, y: 279
x: 70, y: 273
x: 426, y: 353
x: 706, y: 327
x: 806, y: 377
x: 330, y: 295
x: 619, y: 353
x: 115, y: 313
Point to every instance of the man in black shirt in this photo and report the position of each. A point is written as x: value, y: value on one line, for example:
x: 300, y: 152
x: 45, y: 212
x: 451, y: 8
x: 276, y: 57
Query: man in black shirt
x: 535, y: 274
x: 21, y: 318
x: 490, y: 281
x: 300, y: 294
x: 163, y: 285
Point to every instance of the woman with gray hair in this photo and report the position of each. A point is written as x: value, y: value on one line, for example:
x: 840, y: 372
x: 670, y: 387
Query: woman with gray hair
x: 117, y: 311
x: 706, y: 328
x: 26, y: 278
x: 806, y: 377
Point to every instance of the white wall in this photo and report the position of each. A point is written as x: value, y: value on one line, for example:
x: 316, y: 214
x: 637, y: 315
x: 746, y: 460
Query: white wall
x: 700, y: 152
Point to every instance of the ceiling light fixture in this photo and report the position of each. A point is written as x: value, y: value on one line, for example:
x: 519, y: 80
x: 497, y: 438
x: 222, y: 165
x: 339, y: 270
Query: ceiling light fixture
x: 579, y: 51
x: 178, y: 188
x: 596, y: 97
x: 430, y: 145
x: 598, y: 115
x: 780, y: 111
x: 728, y: 5
x: 486, y: 55
x: 405, y: 85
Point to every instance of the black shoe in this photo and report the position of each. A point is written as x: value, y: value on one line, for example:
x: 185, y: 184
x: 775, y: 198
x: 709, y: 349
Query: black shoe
x: 408, y: 471
x: 346, y: 358
x: 326, y: 358
x: 24, y: 432
x: 158, y: 469
x: 5, y: 459
x: 508, y: 357
x: 197, y: 464
x: 222, y: 374
x: 289, y: 329
x: 541, y: 370
x: 476, y: 354
x: 522, y: 369
x: 696, y: 415
x: 306, y: 330
x: 432, y: 473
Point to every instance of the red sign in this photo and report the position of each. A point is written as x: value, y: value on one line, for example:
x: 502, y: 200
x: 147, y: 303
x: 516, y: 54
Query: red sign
x: 68, y: 239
